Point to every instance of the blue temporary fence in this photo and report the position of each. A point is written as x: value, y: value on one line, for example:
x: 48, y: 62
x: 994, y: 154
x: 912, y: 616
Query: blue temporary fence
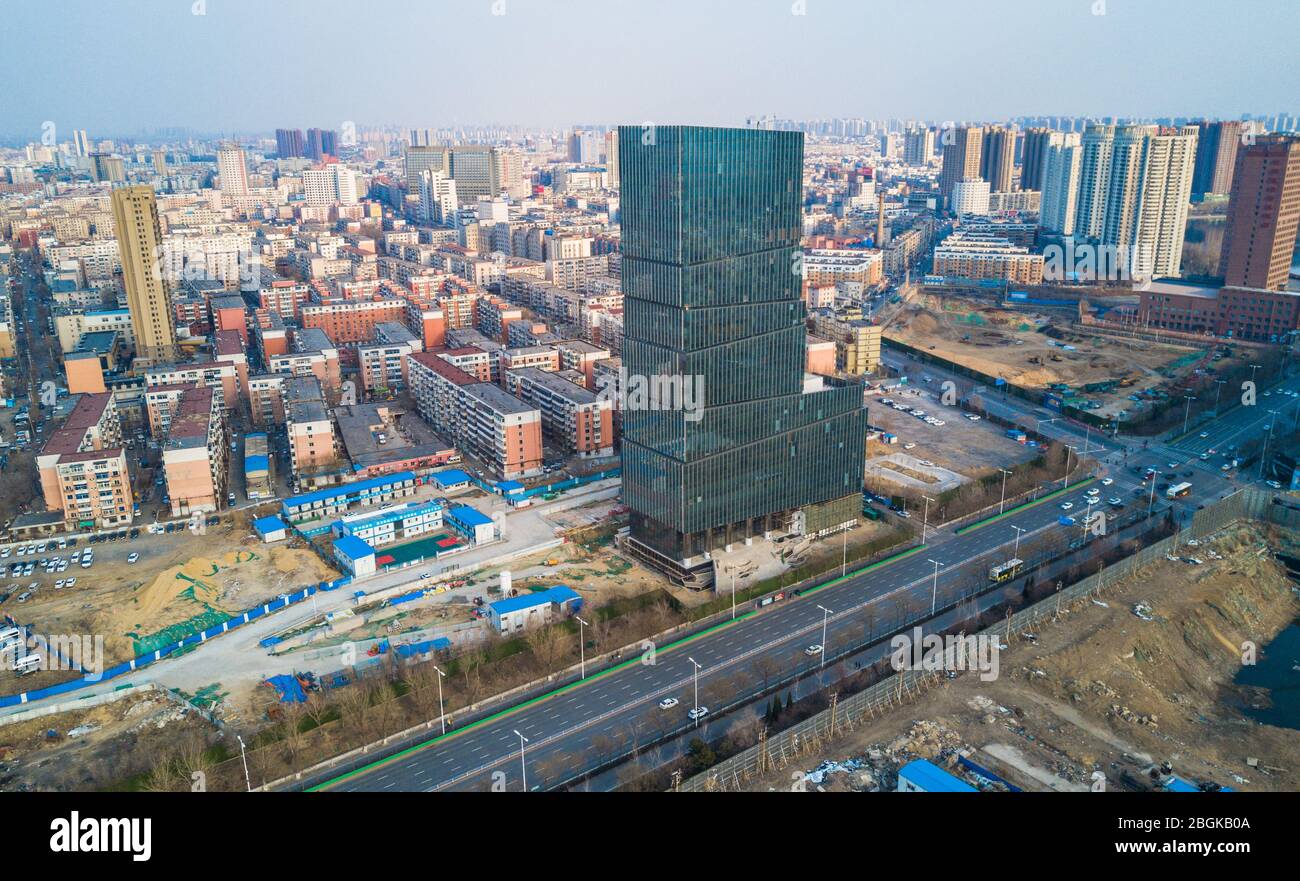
x: 194, y: 639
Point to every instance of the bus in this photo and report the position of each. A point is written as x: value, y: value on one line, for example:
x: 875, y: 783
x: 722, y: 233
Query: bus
x: 1178, y: 490
x: 1006, y: 571
x: 27, y: 664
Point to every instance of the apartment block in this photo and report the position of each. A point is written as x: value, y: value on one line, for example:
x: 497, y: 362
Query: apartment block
x: 196, y: 455
x: 83, y: 467
x: 580, y: 423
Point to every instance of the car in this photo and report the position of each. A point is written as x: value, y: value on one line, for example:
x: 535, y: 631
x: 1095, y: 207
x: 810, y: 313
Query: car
x: 63, y: 566
x: 1065, y: 506
x: 135, y: 533
x: 813, y: 651
x: 1204, y: 435
x: 133, y: 558
x: 1107, y: 481
x: 1173, y: 465
x: 1274, y: 484
x: 1268, y: 427
x: 1226, y: 468
x: 24, y: 596
x: 4, y: 554
x: 86, y: 563
x: 668, y: 703
x: 939, y: 423
x: 926, y: 462
x: 909, y: 446
x: 70, y: 582
x: 58, y: 585
x: 1115, y: 501
x: 698, y: 713
x: 1204, y: 457
x: 230, y: 497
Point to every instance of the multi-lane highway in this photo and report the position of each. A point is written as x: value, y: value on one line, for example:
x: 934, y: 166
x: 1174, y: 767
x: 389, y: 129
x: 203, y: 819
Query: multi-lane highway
x: 557, y: 734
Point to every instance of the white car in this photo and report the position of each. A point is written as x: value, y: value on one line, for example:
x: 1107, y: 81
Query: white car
x: 1204, y: 435
x: 1065, y: 506
x: 909, y: 446
x: 4, y: 554
x: 668, y: 703
x: 71, y: 582
x: 939, y: 423
x: 812, y: 651
x: 58, y: 585
x: 698, y: 713
x: 1107, y: 481
x: 925, y: 462
x: 133, y: 557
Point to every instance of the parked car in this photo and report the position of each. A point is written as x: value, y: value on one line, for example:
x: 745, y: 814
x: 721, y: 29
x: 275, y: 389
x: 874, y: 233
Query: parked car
x: 668, y: 703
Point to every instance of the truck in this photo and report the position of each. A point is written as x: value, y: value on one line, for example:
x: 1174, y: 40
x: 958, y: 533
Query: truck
x: 1016, y: 435
x: 1178, y: 490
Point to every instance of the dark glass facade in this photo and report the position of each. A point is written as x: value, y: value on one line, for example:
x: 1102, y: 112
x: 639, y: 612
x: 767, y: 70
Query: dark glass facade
x: 710, y: 238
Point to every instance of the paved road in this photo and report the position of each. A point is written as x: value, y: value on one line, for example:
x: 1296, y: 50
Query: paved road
x: 623, y: 704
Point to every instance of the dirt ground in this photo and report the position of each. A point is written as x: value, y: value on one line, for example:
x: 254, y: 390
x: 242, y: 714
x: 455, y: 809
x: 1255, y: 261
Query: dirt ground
x: 179, y: 578
x: 1009, y: 344
x: 970, y: 448
x: 1103, y: 690
x: 95, y: 748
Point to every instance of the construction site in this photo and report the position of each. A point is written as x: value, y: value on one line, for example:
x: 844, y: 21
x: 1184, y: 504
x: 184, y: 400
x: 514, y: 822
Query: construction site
x: 1139, y: 689
x: 1047, y: 349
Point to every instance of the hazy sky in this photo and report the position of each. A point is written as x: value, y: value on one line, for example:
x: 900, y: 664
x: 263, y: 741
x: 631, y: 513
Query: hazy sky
x: 116, y: 67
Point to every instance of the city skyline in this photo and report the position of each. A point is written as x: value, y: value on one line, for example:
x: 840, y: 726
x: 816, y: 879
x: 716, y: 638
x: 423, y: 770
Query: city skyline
x: 651, y: 59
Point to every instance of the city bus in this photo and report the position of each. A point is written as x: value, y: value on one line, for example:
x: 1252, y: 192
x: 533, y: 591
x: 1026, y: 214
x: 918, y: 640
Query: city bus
x: 1006, y: 571
x: 1178, y: 490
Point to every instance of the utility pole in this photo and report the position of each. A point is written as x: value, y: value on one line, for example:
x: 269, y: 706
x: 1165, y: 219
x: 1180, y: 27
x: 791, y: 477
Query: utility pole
x: 582, y: 647
x: 1187, y: 410
x: 696, y: 676
x: 925, y: 520
x: 1005, y: 472
x: 1016, y: 553
x: 826, y: 614
x: 442, y: 711
x: 523, y: 766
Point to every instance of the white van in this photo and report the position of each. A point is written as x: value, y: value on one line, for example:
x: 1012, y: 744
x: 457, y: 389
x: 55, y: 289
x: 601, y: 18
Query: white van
x: 9, y: 633
x: 27, y: 664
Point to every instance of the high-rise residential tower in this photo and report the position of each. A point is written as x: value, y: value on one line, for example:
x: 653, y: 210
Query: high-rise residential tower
x: 998, y: 158
x: 712, y: 308
x: 1264, y: 214
x: 918, y: 146
x: 1034, y: 156
x: 1060, y: 161
x: 962, y: 148
x: 290, y: 143
x: 233, y: 170
x: 148, y: 294
x: 1216, y: 156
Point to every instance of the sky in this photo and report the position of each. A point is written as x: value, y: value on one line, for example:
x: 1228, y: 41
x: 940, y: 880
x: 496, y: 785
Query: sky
x: 127, y: 67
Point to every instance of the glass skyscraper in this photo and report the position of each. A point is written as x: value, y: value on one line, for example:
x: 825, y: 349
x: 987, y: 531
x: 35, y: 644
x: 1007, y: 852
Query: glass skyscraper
x: 711, y: 283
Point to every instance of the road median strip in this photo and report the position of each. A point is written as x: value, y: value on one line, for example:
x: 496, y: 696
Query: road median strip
x: 1024, y: 506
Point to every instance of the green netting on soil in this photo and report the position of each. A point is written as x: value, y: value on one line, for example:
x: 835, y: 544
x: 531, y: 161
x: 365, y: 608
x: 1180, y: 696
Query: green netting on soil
x: 173, y: 633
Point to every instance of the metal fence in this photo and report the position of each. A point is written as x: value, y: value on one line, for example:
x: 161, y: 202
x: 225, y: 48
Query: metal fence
x: 781, y: 749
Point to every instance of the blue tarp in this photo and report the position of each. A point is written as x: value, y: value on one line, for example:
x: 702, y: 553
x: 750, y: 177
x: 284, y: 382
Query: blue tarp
x: 288, y: 689
x: 421, y: 648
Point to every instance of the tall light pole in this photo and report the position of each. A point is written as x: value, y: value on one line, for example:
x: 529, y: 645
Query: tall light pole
x: 826, y: 614
x: 1187, y: 410
x: 1152, y: 501
x: 925, y: 519
x: 733, y: 593
x: 1253, y: 368
x: 1068, y: 450
x: 1005, y: 472
x: 695, y: 674
x: 442, y: 710
x: 844, y: 552
x: 244, y: 755
x: 1016, y: 553
x: 1220, y: 383
x: 1263, y: 456
x: 934, y: 587
x: 523, y: 766
x: 582, y: 647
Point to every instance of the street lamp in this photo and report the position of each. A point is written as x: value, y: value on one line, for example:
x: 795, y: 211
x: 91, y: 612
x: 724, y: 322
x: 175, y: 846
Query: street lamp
x: 1068, y: 450
x: 1263, y: 456
x: 826, y: 614
x: 1220, y: 383
x: 582, y: 647
x: 1016, y: 553
x: 523, y: 767
x: 934, y: 587
x: 733, y: 593
x: 1005, y: 472
x: 243, y: 755
x: 695, y: 674
x: 925, y: 519
x: 1187, y: 410
x: 442, y: 711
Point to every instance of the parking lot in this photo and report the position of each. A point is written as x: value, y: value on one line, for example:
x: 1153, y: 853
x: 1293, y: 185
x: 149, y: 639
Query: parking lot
x: 969, y: 447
